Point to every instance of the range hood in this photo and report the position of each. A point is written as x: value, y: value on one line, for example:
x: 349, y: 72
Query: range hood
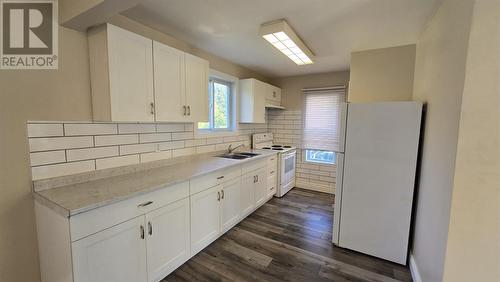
x: 271, y: 106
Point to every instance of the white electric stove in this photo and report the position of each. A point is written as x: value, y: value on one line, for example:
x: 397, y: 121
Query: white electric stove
x: 286, y: 161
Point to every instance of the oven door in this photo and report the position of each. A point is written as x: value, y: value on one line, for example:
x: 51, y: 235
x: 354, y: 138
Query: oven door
x: 287, y: 167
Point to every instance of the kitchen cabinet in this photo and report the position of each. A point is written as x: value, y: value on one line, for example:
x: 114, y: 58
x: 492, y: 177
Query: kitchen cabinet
x: 121, y: 64
x: 167, y: 233
x: 272, y: 175
x: 181, y: 85
x: 213, y: 212
x: 254, y: 96
x: 205, y: 218
x: 114, y: 254
x: 137, y: 79
x: 260, y: 187
x: 230, y: 197
x: 146, y: 237
x: 196, y: 88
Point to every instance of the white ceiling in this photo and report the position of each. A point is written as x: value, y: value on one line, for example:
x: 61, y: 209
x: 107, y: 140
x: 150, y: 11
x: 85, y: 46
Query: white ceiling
x: 331, y: 28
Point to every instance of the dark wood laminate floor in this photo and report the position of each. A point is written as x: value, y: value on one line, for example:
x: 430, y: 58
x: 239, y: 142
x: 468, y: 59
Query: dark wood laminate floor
x: 287, y: 239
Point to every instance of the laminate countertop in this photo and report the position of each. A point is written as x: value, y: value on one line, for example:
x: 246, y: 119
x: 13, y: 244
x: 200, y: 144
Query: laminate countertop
x: 73, y: 199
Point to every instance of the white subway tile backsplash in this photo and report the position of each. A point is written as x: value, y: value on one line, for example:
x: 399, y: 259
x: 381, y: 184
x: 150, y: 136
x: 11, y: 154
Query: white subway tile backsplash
x: 137, y: 148
x: 117, y: 161
x: 62, y: 148
x: 45, y: 130
x: 91, y: 153
x: 171, y: 145
x: 124, y: 128
x: 182, y: 135
x: 205, y: 149
x: 50, y: 157
x: 155, y: 156
x: 72, y: 129
x: 109, y: 140
x: 58, y: 143
x: 48, y: 171
x: 170, y: 127
x: 183, y: 152
x: 155, y: 137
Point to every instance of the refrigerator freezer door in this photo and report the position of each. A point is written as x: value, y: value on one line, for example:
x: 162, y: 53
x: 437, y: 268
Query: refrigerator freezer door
x: 338, y: 198
x: 379, y: 174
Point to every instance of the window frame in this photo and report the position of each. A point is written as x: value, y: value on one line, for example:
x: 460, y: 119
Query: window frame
x: 305, y: 159
x: 223, y: 78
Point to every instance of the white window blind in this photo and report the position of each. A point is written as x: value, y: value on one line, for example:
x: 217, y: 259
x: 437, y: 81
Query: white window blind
x: 321, y: 118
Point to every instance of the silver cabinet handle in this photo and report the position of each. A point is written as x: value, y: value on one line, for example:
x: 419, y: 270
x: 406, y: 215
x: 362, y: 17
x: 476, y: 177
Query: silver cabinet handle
x: 152, y: 108
x: 145, y: 204
x: 222, y: 194
x: 184, y: 109
x: 274, y: 94
x: 142, y: 232
x: 220, y: 177
x: 150, y: 228
x: 218, y: 196
x: 189, y: 110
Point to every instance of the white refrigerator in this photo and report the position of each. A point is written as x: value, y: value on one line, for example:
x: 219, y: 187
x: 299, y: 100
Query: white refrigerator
x: 376, y: 166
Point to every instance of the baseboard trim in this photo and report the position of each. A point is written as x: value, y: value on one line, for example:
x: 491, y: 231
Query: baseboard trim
x: 315, y: 187
x: 415, y: 274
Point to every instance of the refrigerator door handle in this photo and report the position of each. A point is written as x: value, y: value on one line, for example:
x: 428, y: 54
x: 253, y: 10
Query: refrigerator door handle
x: 338, y: 199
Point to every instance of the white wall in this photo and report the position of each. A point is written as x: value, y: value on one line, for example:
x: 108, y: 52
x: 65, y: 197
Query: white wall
x: 473, y: 250
x: 439, y: 81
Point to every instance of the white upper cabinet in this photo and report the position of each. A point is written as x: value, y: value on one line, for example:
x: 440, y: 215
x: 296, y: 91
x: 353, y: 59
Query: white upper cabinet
x: 170, y: 83
x: 196, y: 88
x: 254, y: 95
x: 121, y: 65
x: 137, y: 79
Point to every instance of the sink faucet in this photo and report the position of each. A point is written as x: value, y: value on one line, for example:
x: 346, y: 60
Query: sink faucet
x: 230, y: 149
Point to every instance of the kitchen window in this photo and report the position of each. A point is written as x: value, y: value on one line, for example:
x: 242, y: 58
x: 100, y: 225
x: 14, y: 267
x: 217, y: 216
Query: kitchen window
x: 321, y: 125
x: 220, y: 94
x: 319, y: 156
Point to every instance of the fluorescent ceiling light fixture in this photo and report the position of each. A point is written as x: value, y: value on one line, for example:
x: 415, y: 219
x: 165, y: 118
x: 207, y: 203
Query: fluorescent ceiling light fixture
x: 282, y: 36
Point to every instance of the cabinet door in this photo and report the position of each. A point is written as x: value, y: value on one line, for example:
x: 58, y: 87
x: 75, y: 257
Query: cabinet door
x: 196, y: 88
x: 247, y: 192
x: 230, y: 197
x: 169, y: 82
x: 205, y: 218
x: 273, y: 93
x: 130, y: 75
x: 167, y: 231
x: 259, y: 109
x: 117, y: 254
x: 261, y: 187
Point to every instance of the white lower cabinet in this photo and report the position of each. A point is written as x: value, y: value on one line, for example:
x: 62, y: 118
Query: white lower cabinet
x: 167, y: 233
x: 115, y: 254
x: 205, y: 218
x: 261, y: 187
x: 247, y: 198
x: 230, y: 197
x: 145, y: 238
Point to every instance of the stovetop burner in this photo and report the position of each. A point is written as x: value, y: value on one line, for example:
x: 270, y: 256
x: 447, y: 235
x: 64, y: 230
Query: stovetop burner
x: 287, y: 147
x: 276, y: 146
x: 278, y: 149
x: 267, y: 148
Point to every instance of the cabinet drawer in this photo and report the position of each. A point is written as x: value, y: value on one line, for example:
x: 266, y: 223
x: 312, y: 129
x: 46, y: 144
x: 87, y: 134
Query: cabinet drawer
x: 272, y: 182
x: 204, y: 182
x: 99, y: 219
x: 246, y: 168
x: 272, y: 166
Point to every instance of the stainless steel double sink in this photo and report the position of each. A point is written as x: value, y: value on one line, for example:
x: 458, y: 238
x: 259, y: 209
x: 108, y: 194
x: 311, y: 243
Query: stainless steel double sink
x: 238, y: 155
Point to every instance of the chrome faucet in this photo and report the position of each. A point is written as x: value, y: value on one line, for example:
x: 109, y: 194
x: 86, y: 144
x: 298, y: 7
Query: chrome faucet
x: 230, y: 149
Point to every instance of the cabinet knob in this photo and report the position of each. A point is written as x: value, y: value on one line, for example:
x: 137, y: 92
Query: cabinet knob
x: 152, y: 108
x: 218, y: 196
x: 222, y: 194
x: 150, y: 228
x: 189, y: 110
x: 142, y: 231
x: 274, y: 94
x: 184, y: 110
x: 145, y: 204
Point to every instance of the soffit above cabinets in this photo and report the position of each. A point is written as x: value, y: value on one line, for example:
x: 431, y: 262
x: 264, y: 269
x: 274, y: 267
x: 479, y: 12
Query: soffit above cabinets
x: 332, y: 29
